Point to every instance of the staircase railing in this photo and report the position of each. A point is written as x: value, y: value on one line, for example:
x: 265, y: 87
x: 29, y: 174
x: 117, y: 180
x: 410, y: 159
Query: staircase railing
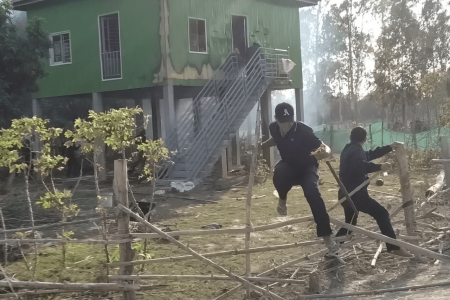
x: 202, y: 127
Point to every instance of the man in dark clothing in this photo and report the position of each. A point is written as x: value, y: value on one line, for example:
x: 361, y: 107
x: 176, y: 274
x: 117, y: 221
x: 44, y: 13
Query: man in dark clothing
x: 298, y: 166
x: 354, y: 167
x: 72, y: 163
x: 140, y: 139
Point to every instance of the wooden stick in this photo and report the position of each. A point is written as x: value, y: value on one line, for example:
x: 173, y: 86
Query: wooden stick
x: 441, y: 160
x: 357, y: 189
x: 292, y: 276
x: 405, y: 183
x: 70, y: 286
x: 437, y: 186
x: 343, y: 189
x: 198, y: 256
x: 201, y: 277
x: 225, y: 231
x: 375, y: 257
x: 407, y: 246
x: 123, y: 221
x: 381, y: 291
x: 223, y: 253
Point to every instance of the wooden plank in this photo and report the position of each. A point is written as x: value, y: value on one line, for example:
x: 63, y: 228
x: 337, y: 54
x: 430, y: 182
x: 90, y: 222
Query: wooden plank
x: 201, y: 277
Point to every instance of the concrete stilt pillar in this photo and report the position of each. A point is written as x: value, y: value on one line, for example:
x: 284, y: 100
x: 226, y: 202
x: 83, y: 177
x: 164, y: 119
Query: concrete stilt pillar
x: 249, y: 133
x: 229, y: 157
x: 299, y: 107
x: 168, y: 122
x: 266, y: 119
x: 224, y: 164
x: 236, y: 145
x: 97, y: 106
x: 36, y: 106
x: 147, y: 115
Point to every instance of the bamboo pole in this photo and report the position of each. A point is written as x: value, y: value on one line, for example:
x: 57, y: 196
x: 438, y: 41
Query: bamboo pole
x: 59, y: 224
x: 248, y: 206
x: 407, y: 192
x: 123, y: 221
x: 63, y: 241
x: 343, y: 189
x: 225, y: 231
x: 201, y: 277
x: 70, y: 286
x: 381, y: 291
x: 405, y: 245
x: 199, y: 256
x: 223, y: 253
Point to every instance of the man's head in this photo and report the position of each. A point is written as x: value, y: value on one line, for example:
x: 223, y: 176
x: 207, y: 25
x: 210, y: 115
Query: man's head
x: 358, y: 135
x: 284, y: 114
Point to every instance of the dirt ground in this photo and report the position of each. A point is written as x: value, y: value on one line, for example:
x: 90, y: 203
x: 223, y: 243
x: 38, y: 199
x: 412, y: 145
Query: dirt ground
x: 223, y: 202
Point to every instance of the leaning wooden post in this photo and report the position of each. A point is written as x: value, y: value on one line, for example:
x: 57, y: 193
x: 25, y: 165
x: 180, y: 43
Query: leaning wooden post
x: 121, y: 191
x: 445, y: 154
x: 407, y: 192
x: 248, y: 210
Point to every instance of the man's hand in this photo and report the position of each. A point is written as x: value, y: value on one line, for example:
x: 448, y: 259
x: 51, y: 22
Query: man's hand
x: 395, y: 145
x: 322, y: 152
x: 386, y: 167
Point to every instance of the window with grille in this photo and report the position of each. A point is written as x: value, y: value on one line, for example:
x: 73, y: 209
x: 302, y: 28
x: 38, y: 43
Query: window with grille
x: 60, y: 52
x: 197, y: 36
x: 110, y: 46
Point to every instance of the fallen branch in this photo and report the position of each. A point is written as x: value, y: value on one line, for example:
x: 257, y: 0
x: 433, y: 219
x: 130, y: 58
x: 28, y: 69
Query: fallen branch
x: 63, y: 241
x: 200, y: 277
x: 198, y: 256
x: 59, y: 224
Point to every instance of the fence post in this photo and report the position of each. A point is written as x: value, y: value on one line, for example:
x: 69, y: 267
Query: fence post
x: 121, y: 191
x: 407, y: 192
x: 370, y: 135
x: 445, y: 154
x: 382, y: 133
x: 331, y: 139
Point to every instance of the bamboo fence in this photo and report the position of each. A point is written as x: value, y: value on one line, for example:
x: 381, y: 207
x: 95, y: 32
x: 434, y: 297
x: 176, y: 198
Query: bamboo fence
x: 128, y: 283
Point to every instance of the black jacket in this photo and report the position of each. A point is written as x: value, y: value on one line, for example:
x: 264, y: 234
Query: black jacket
x: 296, y: 146
x: 355, y: 164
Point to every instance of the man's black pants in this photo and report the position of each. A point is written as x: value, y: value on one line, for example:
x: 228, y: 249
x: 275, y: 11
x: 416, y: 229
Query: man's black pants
x: 286, y: 176
x: 366, y: 204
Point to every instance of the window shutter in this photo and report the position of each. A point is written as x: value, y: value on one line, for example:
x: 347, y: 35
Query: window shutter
x: 66, y: 47
x: 193, y: 35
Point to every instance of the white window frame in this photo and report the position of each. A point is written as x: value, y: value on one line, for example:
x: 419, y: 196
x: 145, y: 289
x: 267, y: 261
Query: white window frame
x: 100, y: 45
x: 189, y: 35
x: 52, y: 53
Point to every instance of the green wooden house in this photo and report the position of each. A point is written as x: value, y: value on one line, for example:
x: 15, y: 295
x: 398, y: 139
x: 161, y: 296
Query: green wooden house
x: 189, y: 64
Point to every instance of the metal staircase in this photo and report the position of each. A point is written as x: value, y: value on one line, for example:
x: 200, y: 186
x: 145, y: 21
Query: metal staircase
x: 216, y: 114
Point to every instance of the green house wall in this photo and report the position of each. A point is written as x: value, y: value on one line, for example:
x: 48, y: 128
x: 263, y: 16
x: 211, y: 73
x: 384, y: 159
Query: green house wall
x: 273, y: 26
x: 139, y: 33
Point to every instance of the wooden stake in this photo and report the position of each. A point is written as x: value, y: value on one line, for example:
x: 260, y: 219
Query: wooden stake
x: 121, y: 190
x: 198, y: 256
x: 407, y: 192
x: 343, y: 189
x: 405, y: 245
x: 248, y: 206
x: 445, y: 150
x: 440, y: 179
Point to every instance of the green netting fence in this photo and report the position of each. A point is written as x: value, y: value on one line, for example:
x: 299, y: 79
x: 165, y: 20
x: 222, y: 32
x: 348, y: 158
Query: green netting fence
x: 378, y: 135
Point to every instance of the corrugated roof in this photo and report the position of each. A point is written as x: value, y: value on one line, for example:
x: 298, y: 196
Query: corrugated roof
x: 20, y: 4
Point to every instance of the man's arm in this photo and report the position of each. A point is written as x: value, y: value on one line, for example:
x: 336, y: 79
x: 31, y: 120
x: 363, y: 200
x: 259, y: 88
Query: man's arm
x: 381, y: 151
x: 364, y: 166
x: 268, y: 143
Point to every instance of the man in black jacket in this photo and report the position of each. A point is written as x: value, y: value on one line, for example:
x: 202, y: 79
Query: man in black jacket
x: 354, y: 167
x: 296, y: 142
